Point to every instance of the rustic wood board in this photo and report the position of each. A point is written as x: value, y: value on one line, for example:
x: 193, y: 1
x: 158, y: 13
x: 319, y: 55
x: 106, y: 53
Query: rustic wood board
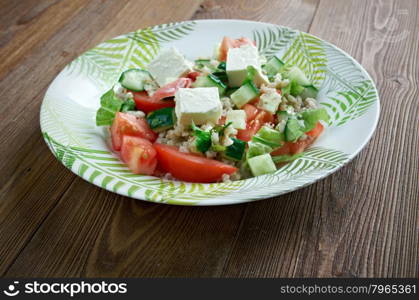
x: 360, y: 222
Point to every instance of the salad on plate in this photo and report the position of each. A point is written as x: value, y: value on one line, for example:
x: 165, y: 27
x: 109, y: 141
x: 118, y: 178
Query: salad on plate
x: 228, y: 117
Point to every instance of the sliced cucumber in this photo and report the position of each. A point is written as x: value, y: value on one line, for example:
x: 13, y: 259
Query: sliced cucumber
x: 222, y: 75
x: 244, y: 94
x: 295, y: 88
x: 222, y: 66
x: 205, y: 61
x: 133, y: 79
x: 310, y: 92
x: 273, y: 66
x: 282, y: 115
x: 236, y: 150
x: 200, y: 64
x: 230, y: 91
x: 295, y: 73
x: 210, y: 81
x: 269, y: 137
x: 261, y: 164
x: 293, y: 130
x: 161, y: 119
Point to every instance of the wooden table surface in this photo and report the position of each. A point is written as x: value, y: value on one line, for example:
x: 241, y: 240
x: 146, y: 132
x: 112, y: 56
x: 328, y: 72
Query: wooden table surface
x: 360, y: 221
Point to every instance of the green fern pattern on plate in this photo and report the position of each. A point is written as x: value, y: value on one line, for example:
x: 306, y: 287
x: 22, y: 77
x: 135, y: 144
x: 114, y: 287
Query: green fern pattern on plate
x: 272, y: 40
x: 349, y: 105
x: 308, y: 54
x: 104, y: 63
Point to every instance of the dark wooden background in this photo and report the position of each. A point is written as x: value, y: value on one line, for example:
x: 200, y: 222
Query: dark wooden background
x: 361, y: 221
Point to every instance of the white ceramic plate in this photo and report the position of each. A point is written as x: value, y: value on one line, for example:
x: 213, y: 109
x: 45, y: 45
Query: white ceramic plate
x: 70, y: 104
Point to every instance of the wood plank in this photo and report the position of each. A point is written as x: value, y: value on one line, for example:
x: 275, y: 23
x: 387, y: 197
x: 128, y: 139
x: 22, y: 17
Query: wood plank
x: 94, y: 233
x: 295, y: 14
x: 32, y: 180
x: 27, y: 198
x: 363, y: 220
x: 99, y: 234
x: 22, y: 22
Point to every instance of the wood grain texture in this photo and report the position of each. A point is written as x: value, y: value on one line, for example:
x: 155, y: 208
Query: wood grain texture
x: 361, y: 221
x: 21, y: 170
x: 350, y: 224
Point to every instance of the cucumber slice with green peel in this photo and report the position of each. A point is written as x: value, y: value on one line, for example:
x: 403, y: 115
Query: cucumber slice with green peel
x: 222, y: 66
x: 222, y: 75
x: 273, y: 66
x: 295, y: 73
x: 210, y: 81
x: 161, y: 119
x: 293, y: 130
x: 282, y: 115
x: 247, y: 92
x: 133, y: 79
x: 236, y: 150
x: 261, y: 164
x: 230, y: 91
x: 202, y: 63
x: 269, y: 137
x: 295, y: 88
x: 310, y: 92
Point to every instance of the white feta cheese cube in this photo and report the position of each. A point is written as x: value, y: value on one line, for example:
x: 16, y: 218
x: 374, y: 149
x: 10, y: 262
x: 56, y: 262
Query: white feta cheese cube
x: 200, y: 105
x: 168, y: 66
x: 237, y: 117
x: 270, y: 100
x: 238, y: 59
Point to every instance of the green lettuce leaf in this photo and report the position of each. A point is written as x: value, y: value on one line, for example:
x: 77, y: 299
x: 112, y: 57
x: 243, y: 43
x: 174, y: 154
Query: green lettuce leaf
x: 109, y: 105
x: 312, y: 116
x: 203, y: 138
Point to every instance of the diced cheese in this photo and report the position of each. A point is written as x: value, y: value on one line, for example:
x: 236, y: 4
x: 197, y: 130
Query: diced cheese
x: 238, y: 59
x: 237, y: 117
x: 200, y: 105
x: 270, y: 100
x: 168, y: 66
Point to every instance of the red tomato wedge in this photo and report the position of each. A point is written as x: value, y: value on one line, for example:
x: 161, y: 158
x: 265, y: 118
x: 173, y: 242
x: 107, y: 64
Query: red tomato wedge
x: 190, y: 167
x: 251, y: 112
x: 147, y: 103
x: 264, y: 117
x: 221, y: 120
x: 126, y: 124
x: 255, y: 118
x: 170, y: 89
x: 139, y: 154
x: 316, y: 131
x: 228, y: 43
x: 193, y: 75
x: 251, y: 128
x: 294, y: 148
